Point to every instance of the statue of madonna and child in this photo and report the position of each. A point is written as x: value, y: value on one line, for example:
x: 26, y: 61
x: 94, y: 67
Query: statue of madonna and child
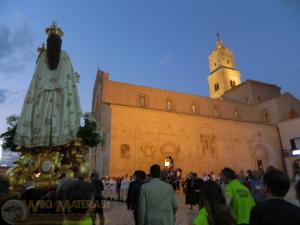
x: 46, y: 131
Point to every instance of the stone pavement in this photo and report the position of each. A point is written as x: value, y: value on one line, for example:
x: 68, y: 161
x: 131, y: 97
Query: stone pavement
x: 116, y: 213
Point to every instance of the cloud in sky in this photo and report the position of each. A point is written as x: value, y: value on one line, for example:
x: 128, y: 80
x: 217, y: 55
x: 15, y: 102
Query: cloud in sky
x: 166, y: 59
x: 16, y: 44
x: 5, y: 45
x: 3, y: 95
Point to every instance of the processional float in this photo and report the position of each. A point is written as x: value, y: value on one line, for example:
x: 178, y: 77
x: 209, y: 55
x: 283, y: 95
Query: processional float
x: 46, y: 132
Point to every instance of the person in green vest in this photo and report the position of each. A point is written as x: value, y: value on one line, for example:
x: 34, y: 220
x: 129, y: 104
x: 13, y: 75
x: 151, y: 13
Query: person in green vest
x: 79, y: 195
x: 238, y: 196
x: 214, y: 210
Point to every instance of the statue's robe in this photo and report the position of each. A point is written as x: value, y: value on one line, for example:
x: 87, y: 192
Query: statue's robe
x: 51, y: 111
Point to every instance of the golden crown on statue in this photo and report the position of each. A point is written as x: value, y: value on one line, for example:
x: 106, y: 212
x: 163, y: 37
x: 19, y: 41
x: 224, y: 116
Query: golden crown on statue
x: 54, y: 30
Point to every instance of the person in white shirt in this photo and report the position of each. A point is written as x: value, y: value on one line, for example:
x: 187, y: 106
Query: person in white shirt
x: 124, y: 188
x: 112, y: 189
x: 106, y: 188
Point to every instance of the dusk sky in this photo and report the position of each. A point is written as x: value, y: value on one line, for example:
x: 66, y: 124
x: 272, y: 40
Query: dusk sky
x: 158, y: 43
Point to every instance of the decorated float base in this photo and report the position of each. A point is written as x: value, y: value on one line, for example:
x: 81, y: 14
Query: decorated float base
x: 44, y: 166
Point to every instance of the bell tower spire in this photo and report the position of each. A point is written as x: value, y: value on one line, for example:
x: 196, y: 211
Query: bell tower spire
x: 223, y: 73
x: 219, y: 43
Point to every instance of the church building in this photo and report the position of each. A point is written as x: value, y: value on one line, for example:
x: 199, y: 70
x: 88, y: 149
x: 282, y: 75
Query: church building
x: 237, y: 126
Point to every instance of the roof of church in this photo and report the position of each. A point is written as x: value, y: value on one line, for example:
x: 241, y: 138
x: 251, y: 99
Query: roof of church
x: 250, y: 82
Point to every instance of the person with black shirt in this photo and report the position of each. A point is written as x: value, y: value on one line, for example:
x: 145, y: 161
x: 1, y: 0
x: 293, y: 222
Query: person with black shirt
x: 99, y: 187
x: 275, y: 210
x: 298, y: 190
x: 119, y: 182
x: 134, y: 193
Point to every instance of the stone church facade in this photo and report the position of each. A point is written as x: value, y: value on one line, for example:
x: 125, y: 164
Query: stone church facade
x: 236, y: 126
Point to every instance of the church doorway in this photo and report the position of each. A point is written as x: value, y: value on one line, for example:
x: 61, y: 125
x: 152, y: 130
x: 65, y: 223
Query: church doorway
x: 169, y: 162
x: 262, y: 157
x: 296, y: 169
x: 260, y: 167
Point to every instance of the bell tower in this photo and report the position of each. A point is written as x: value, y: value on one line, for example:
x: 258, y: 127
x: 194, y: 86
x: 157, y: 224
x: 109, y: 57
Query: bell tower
x: 223, y: 73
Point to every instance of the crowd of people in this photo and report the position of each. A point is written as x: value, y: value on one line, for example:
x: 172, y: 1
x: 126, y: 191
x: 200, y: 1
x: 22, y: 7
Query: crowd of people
x: 228, y: 199
x: 238, y: 199
x: 115, y: 188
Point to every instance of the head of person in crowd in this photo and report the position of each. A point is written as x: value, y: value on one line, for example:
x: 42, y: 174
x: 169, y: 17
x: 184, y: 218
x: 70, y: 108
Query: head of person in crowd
x: 228, y: 175
x: 275, y: 184
x: 195, y: 176
x: 155, y: 171
x: 298, y: 190
x: 80, y: 178
x: 140, y: 175
x: 249, y: 174
x: 213, y: 200
x: 270, y: 168
x: 4, y: 186
x: 135, y: 174
x: 60, y: 189
x: 76, y: 190
x: 164, y: 175
x: 94, y: 175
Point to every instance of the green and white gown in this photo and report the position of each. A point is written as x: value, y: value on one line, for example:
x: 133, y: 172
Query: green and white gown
x: 51, y: 110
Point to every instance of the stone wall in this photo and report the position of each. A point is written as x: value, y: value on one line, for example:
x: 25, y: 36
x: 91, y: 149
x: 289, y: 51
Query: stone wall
x: 141, y: 137
x: 117, y: 93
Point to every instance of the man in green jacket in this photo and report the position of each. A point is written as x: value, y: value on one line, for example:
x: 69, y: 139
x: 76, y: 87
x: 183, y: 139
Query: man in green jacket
x: 239, y: 197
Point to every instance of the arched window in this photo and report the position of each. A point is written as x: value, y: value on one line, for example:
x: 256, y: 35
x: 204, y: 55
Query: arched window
x: 259, y: 99
x: 236, y: 114
x: 216, y: 111
x: 265, y: 115
x: 169, y: 105
x: 142, y: 101
x: 194, y: 108
x: 232, y: 83
x: 217, y: 86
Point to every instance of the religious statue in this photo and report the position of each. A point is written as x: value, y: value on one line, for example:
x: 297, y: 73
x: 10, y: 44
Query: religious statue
x: 51, y: 111
x: 46, y: 132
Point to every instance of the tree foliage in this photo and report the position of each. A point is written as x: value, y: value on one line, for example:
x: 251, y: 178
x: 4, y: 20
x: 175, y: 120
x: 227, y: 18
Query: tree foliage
x: 8, y: 136
x: 89, y: 132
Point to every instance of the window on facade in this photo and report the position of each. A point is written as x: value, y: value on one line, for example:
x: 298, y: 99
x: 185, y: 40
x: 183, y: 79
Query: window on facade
x: 236, y: 114
x: 215, y: 64
x: 217, y: 87
x: 227, y: 61
x: 295, y: 143
x: 206, y: 144
x: 169, y: 105
x: 259, y: 99
x: 194, y: 109
x: 266, y: 116
x: 142, y: 101
x: 293, y: 114
x: 216, y: 111
x: 232, y: 83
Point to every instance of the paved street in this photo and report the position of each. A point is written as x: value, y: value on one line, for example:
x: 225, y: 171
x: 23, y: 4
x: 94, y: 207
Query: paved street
x: 116, y: 213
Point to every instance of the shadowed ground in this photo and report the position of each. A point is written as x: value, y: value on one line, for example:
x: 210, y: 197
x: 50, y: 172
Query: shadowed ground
x: 118, y: 214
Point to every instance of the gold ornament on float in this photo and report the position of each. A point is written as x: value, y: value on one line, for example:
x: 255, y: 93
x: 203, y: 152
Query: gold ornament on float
x: 45, y: 165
